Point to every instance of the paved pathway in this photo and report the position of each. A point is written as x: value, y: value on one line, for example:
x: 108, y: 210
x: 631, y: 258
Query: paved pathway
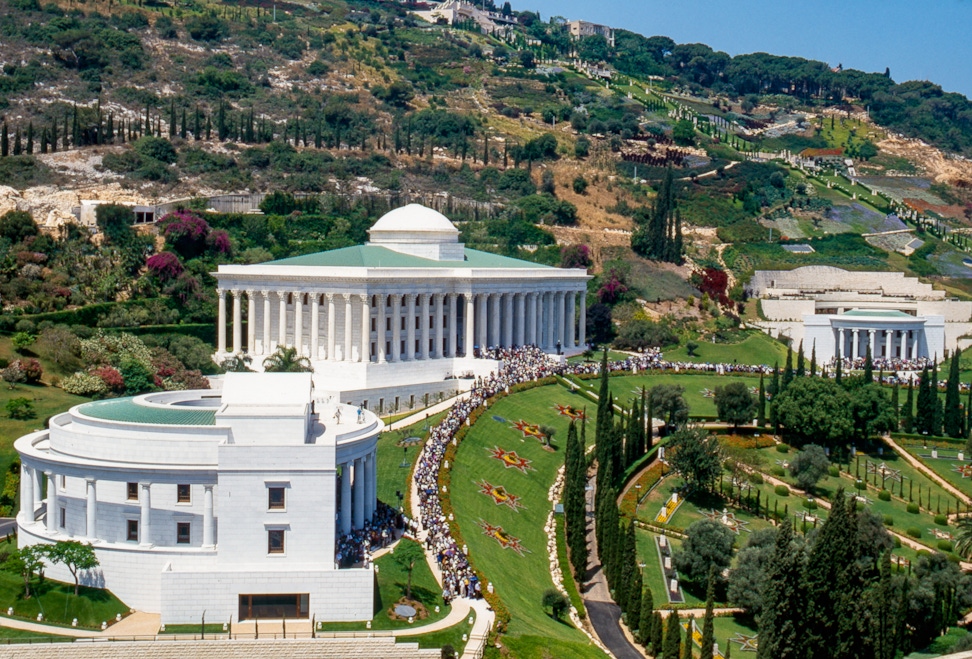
x: 604, y: 614
x: 422, y: 414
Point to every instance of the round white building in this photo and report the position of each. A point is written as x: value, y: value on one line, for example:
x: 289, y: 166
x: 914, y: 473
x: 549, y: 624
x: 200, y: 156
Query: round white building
x: 224, y: 502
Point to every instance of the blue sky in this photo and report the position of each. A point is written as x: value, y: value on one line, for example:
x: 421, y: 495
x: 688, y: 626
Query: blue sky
x: 918, y: 40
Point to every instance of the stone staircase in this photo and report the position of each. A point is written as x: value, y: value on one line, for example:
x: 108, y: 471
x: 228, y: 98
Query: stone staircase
x: 330, y: 648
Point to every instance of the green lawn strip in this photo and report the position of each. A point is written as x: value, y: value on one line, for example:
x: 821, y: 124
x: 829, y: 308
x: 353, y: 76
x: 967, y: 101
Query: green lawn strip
x: 193, y: 629
x: 569, y: 584
x: 944, y: 465
x: 692, y: 510
x: 392, y: 476
x: 727, y: 627
x: 451, y: 636
x: 941, y: 645
x: 47, y: 401
x: 392, y: 580
x: 519, y: 580
x: 756, y: 349
x: 58, y: 603
x: 9, y: 636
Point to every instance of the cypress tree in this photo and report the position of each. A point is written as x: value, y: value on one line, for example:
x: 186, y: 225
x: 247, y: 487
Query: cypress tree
x: 800, y: 369
x: 17, y: 147
x: 649, y: 421
x: 953, y: 400
x: 634, y: 596
x: 813, y: 359
x: 895, y: 405
x: 787, y: 370
x: 30, y: 138
x: 689, y: 641
x: 708, y: 630
x: 968, y: 414
x: 908, y: 411
x: 761, y: 403
x: 673, y: 637
x: 923, y: 412
x: 196, y: 133
x: 4, y: 141
x: 43, y: 140
x: 54, y: 136
x: 936, y: 404
x: 837, y: 373
x: 183, y: 129
x: 657, y: 642
x: 172, y: 118
x: 781, y: 624
x: 885, y: 608
x: 774, y: 390
x: 646, y: 618
x: 868, y: 366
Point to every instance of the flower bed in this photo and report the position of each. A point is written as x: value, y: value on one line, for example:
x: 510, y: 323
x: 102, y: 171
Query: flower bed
x: 648, y: 479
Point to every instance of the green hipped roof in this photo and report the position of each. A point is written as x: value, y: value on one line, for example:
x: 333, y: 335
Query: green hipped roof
x: 375, y: 256
x: 126, y: 410
x: 876, y: 313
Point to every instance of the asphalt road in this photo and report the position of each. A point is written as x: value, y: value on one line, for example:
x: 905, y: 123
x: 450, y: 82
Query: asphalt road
x: 7, y: 525
x: 605, y: 618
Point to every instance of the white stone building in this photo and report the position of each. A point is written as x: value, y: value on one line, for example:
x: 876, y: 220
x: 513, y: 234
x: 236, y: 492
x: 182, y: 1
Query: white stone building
x: 581, y: 29
x: 402, y: 316
x: 845, y: 312
x: 225, y: 503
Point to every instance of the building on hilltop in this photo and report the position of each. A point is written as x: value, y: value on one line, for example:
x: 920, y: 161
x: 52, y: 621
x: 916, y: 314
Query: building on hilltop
x: 451, y: 12
x: 225, y: 503
x: 403, y: 316
x: 581, y: 29
x: 845, y: 312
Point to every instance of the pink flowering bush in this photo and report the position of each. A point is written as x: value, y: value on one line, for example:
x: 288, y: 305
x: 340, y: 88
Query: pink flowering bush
x: 165, y: 265
x: 111, y: 377
x: 186, y: 232
x: 219, y: 242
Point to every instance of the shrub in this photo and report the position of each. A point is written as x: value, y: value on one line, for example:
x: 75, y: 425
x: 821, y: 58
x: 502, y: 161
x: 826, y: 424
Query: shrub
x: 779, y: 472
x: 165, y: 265
x: 884, y: 495
x: 157, y: 148
x: 889, y: 520
x: 83, y: 384
x: 756, y: 478
x: 20, y: 408
x: 23, y: 340
x: 32, y: 369
x: 913, y: 508
x: 580, y: 185
x: 782, y: 448
x: 945, y: 545
x: 782, y: 491
x: 941, y: 520
x: 834, y: 471
x: 111, y: 377
x: 914, y: 532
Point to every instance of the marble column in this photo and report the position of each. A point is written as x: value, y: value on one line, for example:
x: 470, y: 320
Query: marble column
x: 559, y: 303
x: 410, y: 326
x: 145, y: 520
x: 549, y: 321
x: 571, y: 319
x: 396, y: 348
x: 439, y: 315
x: 331, y: 328
x: 91, y: 509
x: 915, y: 340
x: 365, y: 354
x: 380, y: 325
x: 267, y: 340
x: 52, y: 508
x: 346, y: 498
x: 369, y: 468
x: 315, y: 337
x: 495, y: 301
x: 481, y: 323
x: 531, y: 319
x: 424, y: 326
x: 507, y: 341
x: 888, y: 343
x: 299, y: 322
x: 519, y: 318
x: 841, y: 343
x: 373, y: 480
x: 251, y: 322
x: 582, y: 325
x: 903, y: 348
x: 452, y: 330
x: 871, y: 335
x: 282, y: 320
x: 347, y: 327
x: 237, y: 322
x: 208, y: 518
x: 359, y: 494
x: 856, y: 343
x: 469, y: 324
x: 27, y: 493
x: 221, y: 322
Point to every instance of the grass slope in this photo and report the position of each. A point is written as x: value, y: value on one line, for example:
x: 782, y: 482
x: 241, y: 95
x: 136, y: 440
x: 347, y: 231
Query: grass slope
x: 757, y: 348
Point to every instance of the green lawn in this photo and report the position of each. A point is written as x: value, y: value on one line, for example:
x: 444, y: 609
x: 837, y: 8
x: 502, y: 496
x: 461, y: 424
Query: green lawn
x: 47, y: 401
x: 944, y: 465
x: 392, y: 476
x: 451, y: 636
x: 392, y: 581
x: 757, y: 348
x: 9, y: 635
x: 56, y: 600
x: 519, y: 580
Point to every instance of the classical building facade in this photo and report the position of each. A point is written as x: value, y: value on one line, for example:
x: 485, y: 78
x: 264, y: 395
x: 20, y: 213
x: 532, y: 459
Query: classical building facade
x: 407, y: 310
x: 841, y: 312
x: 225, y: 502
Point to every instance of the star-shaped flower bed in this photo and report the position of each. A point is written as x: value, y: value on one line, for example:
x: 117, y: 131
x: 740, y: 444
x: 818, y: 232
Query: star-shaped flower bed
x: 499, y: 495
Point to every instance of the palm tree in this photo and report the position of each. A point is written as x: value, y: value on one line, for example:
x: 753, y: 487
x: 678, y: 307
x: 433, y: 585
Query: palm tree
x: 237, y: 364
x: 963, y: 537
x: 286, y: 360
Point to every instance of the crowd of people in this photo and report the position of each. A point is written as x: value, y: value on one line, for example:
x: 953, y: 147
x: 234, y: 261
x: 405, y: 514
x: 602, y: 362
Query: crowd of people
x: 356, y: 547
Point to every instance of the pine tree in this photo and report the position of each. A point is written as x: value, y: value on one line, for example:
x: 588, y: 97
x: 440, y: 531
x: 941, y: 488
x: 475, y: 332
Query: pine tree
x: 787, y: 370
x: 800, y: 369
x: 813, y: 359
x: 708, y: 629
x: 673, y: 637
x: 761, y: 403
x: 953, y: 400
x: 868, y: 366
x: 908, y: 411
x: 647, y: 615
x: 781, y: 624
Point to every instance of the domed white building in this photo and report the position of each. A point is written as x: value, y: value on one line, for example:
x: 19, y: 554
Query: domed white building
x: 402, y: 316
x: 225, y: 502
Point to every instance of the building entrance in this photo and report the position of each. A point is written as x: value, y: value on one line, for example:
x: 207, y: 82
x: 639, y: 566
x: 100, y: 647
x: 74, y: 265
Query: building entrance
x: 289, y: 605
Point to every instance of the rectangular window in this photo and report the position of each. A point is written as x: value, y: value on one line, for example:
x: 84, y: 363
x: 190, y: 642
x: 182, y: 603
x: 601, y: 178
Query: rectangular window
x: 183, y: 493
x: 275, y: 541
x: 182, y: 533
x: 403, y: 323
x: 63, y: 482
x: 388, y: 324
x: 132, y: 530
x: 276, y: 498
x: 374, y: 325
x: 133, y: 491
x: 63, y: 517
